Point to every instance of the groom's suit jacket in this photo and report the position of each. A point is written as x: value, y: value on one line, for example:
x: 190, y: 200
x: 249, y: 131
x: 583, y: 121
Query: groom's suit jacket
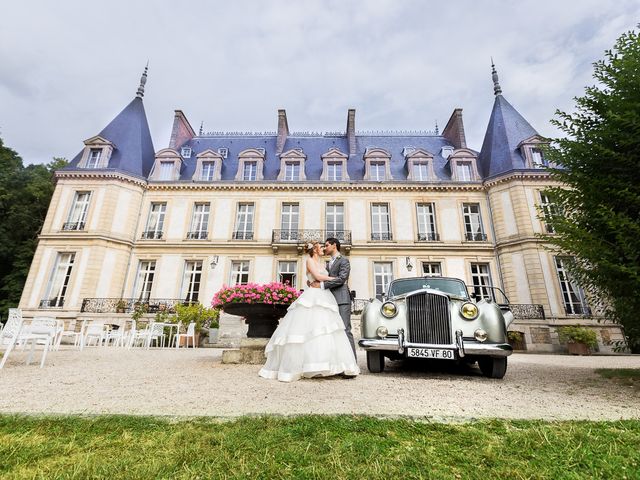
x: 340, y: 269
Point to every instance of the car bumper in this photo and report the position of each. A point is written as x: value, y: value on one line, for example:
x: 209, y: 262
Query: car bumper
x: 464, y: 348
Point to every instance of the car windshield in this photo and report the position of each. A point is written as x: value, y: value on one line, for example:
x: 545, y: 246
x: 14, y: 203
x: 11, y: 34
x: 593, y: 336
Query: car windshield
x: 450, y: 286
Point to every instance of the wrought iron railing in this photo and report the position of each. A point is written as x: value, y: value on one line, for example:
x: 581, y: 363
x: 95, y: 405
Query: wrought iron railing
x: 475, y: 237
x: 128, y: 305
x: 527, y: 311
x: 197, y: 235
x: 152, y: 235
x: 242, y: 235
x: 303, y: 236
x: 429, y: 237
x: 73, y: 226
x: 358, y: 304
x: 382, y: 236
x: 52, y: 303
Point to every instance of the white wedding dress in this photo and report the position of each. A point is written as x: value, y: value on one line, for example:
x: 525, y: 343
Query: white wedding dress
x: 310, y: 340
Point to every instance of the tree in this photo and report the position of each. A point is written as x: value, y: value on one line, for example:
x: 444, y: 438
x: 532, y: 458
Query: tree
x: 25, y: 193
x: 599, y: 164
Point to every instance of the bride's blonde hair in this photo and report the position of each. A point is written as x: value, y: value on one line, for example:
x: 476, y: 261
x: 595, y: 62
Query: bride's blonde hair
x: 309, y: 247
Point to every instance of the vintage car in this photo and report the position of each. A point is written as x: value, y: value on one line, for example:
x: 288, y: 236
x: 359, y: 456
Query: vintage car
x: 436, y: 318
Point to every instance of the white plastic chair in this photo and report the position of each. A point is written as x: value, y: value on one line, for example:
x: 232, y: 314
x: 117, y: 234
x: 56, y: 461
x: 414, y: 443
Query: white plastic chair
x: 73, y: 331
x: 191, y: 334
x: 137, y: 336
x: 43, y: 330
x: 155, y: 332
x: 10, y: 333
x: 93, y: 331
x: 116, y: 336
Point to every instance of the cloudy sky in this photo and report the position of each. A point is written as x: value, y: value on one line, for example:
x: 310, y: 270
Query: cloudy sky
x: 68, y: 67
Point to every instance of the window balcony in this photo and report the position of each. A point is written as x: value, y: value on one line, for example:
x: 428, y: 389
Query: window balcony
x: 429, y: 237
x: 51, y: 303
x: 197, y: 235
x: 299, y: 238
x: 475, y: 237
x: 151, y: 235
x: 242, y: 235
x: 382, y: 236
x: 73, y: 226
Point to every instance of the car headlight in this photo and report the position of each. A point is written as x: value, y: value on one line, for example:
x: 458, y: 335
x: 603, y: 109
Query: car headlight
x: 389, y: 309
x: 469, y: 311
x: 480, y: 335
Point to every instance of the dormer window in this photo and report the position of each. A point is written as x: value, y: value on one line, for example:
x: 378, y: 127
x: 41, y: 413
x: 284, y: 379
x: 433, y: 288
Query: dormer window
x: 208, y: 166
x: 186, y: 152
x: 96, y: 154
x: 167, y: 166
x: 250, y: 165
x: 377, y: 168
x: 532, y: 152
x: 463, y: 166
x: 537, y: 158
x: 334, y: 164
x: 224, y: 152
x: 292, y: 166
x: 420, y: 165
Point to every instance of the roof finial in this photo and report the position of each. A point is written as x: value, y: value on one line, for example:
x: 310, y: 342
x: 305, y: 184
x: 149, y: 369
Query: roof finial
x: 494, y: 75
x: 143, y: 80
x: 437, y: 131
x: 201, y: 125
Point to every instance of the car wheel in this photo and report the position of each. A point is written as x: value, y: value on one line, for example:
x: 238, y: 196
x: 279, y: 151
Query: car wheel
x: 375, y: 361
x: 493, y: 367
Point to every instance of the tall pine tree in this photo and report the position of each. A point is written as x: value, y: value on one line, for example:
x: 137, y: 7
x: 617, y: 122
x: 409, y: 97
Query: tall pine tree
x: 599, y: 164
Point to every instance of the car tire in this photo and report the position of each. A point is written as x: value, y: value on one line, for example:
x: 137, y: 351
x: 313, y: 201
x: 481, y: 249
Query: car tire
x: 493, y: 367
x: 375, y: 361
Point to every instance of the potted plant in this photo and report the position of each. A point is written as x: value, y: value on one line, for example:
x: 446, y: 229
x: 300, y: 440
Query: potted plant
x: 202, y: 316
x: 261, y: 305
x: 121, y: 306
x: 579, y: 340
x: 516, y: 340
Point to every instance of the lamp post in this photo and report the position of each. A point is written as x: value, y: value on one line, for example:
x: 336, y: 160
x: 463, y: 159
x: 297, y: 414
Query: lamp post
x: 214, y: 261
x: 408, y: 264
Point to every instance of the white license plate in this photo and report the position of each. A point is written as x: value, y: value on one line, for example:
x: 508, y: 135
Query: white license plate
x: 438, y: 353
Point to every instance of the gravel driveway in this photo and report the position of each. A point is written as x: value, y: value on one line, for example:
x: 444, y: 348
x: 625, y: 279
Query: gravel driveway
x: 195, y: 382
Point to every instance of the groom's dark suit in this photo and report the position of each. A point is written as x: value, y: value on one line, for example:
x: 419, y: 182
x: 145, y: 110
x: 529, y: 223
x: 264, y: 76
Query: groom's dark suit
x: 340, y: 268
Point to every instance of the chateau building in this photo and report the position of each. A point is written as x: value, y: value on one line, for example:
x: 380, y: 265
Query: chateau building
x: 131, y: 223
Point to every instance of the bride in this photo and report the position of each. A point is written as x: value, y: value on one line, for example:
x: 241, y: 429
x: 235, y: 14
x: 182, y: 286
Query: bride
x: 310, y: 340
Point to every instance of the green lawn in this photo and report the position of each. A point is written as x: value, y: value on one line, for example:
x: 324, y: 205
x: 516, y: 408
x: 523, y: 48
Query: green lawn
x: 314, y: 447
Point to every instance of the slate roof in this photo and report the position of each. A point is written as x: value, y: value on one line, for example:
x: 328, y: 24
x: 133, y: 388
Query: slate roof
x: 507, y: 128
x: 129, y: 132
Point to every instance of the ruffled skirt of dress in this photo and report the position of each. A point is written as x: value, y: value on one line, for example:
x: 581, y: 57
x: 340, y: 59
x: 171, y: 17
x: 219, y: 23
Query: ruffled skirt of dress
x: 310, y: 341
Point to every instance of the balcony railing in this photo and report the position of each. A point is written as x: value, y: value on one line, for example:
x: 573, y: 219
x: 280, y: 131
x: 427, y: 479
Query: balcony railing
x: 294, y: 237
x: 73, y: 226
x: 197, y: 235
x: 52, y: 303
x: 151, y: 235
x: 128, y: 305
x: 429, y: 237
x: 242, y: 235
x: 384, y: 236
x: 475, y: 237
x: 358, y: 304
x: 527, y: 311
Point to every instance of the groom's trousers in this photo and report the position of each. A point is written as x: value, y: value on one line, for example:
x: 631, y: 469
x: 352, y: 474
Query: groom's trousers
x: 345, y: 313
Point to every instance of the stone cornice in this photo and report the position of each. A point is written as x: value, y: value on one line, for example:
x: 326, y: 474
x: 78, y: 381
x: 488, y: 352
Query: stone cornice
x: 101, y: 174
x: 535, y: 175
x: 306, y: 186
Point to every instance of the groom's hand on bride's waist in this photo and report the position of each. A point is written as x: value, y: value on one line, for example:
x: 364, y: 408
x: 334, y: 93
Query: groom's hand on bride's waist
x: 313, y: 284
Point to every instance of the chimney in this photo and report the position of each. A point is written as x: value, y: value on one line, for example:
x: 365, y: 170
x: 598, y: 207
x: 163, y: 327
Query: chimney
x: 181, y: 132
x: 283, y: 131
x: 454, y: 131
x: 351, y: 130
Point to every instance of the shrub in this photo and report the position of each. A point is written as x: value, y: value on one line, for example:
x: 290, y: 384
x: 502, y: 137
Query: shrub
x: 575, y: 334
x: 196, y: 312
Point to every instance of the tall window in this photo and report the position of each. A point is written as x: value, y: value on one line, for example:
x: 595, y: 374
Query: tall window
x: 481, y: 280
x: 378, y: 171
x: 334, y: 171
x: 93, y: 161
x: 191, y: 281
x: 426, y: 222
x: 144, y: 279
x: 59, y: 281
x: 380, y: 225
x: 239, y: 273
x: 166, y: 171
x: 537, y: 158
x: 199, y: 222
x: 430, y: 269
x: 244, y: 222
x: 421, y: 171
x: 250, y: 171
x: 334, y: 223
x: 289, y: 221
x: 382, y: 277
x: 473, y: 222
x: 208, y: 169
x: 572, y: 295
x: 549, y: 210
x: 78, y: 212
x: 287, y: 273
x: 463, y: 171
x: 155, y: 222
x: 292, y: 171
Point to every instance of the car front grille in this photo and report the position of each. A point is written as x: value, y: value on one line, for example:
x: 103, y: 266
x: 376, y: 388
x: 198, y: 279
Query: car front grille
x: 429, y: 320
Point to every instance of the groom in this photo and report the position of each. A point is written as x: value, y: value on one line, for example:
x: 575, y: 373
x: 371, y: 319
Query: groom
x: 340, y: 268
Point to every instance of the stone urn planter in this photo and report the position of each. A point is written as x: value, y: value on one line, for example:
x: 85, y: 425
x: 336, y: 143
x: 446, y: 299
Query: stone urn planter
x: 262, y: 318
